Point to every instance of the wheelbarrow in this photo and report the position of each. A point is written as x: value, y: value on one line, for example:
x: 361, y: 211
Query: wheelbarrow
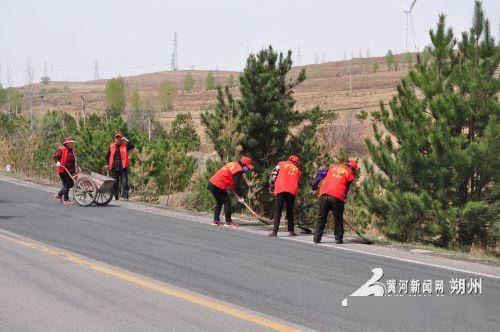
x: 92, y: 188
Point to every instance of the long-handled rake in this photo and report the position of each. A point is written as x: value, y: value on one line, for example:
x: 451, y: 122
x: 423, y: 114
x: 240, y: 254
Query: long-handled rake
x: 365, y: 239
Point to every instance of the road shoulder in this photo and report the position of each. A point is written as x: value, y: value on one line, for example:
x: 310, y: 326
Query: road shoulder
x: 405, y: 254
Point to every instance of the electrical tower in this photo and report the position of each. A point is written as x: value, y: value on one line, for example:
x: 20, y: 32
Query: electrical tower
x: 175, y: 56
x: 96, y: 71
x: 45, y: 70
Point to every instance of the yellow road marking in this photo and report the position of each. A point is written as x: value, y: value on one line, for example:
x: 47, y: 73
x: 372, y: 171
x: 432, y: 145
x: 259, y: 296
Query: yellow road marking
x: 154, y: 286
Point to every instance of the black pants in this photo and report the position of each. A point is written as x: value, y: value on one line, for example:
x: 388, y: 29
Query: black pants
x: 120, y: 176
x: 222, y: 199
x: 288, y: 200
x: 67, y: 185
x: 327, y: 203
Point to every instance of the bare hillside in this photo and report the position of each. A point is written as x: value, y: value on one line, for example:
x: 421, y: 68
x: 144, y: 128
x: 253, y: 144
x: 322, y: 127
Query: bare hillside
x: 345, y: 86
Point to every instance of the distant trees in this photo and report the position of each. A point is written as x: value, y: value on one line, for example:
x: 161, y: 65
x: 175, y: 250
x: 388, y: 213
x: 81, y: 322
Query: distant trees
x: 409, y: 59
x: 230, y: 81
x: 115, y: 95
x: 389, y: 60
x: 15, y: 101
x: 375, y: 67
x: 166, y: 92
x: 188, y: 82
x: 136, y: 115
x: 210, y: 81
x: 3, y: 95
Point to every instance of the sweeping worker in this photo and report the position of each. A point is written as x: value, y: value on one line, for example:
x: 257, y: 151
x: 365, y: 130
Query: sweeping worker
x: 228, y: 178
x: 337, y: 179
x: 284, y: 184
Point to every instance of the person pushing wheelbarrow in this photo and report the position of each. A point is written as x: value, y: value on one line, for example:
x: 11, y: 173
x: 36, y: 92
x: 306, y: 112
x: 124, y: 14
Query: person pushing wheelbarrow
x: 65, y: 158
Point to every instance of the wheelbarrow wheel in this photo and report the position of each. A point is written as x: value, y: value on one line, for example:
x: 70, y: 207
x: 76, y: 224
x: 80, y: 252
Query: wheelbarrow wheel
x: 103, y: 198
x: 84, y: 191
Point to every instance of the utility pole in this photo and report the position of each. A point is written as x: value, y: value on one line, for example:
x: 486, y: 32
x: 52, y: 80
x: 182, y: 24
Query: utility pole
x: 149, y: 123
x: 174, y: 65
x: 31, y: 111
x: 83, y: 109
x: 96, y: 70
x: 299, y: 59
x: 350, y: 81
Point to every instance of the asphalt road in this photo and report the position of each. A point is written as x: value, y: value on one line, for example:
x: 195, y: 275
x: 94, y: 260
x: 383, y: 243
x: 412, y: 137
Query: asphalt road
x: 290, y: 280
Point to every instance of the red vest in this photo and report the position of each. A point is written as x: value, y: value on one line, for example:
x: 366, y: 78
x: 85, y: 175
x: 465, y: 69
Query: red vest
x: 64, y: 150
x: 123, y: 155
x: 223, y: 178
x: 287, y: 179
x: 336, y: 180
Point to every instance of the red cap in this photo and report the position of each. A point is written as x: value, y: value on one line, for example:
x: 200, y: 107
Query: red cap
x: 247, y: 162
x: 294, y: 158
x: 68, y: 140
x: 354, y: 165
x: 118, y: 135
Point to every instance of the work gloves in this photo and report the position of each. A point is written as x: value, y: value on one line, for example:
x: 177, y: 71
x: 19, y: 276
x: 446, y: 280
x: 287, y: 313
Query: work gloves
x: 241, y: 200
x: 58, y: 164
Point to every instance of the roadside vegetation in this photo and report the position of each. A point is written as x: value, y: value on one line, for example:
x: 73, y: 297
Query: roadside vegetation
x: 430, y: 176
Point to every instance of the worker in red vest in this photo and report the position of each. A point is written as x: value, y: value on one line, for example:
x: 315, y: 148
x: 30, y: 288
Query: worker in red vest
x: 118, y: 161
x: 284, y: 184
x: 332, y: 195
x: 227, y: 178
x: 65, y: 158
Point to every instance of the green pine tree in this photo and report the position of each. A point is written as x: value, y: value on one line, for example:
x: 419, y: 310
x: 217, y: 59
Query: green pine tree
x: 389, y: 60
x: 188, y: 82
x: 434, y: 166
x: 210, y: 81
x: 269, y: 122
x: 115, y: 95
x: 166, y: 93
x: 221, y: 125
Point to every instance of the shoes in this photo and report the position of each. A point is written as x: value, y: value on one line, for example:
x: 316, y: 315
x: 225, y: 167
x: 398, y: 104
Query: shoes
x: 58, y: 197
x: 273, y: 234
x: 216, y: 223
x: 67, y: 203
x: 339, y: 241
x: 125, y: 199
x: 231, y: 224
x: 292, y: 233
x: 116, y: 198
x: 315, y: 240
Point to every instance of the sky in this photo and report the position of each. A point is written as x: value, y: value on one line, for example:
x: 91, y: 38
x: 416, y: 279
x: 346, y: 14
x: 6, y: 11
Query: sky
x: 129, y: 37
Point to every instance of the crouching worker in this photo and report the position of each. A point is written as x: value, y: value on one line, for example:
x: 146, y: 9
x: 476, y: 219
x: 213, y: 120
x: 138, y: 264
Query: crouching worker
x: 66, y: 162
x: 284, y: 184
x: 228, y: 178
x: 332, y: 195
x: 118, y: 161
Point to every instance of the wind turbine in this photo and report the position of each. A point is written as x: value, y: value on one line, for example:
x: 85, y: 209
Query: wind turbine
x: 409, y: 19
